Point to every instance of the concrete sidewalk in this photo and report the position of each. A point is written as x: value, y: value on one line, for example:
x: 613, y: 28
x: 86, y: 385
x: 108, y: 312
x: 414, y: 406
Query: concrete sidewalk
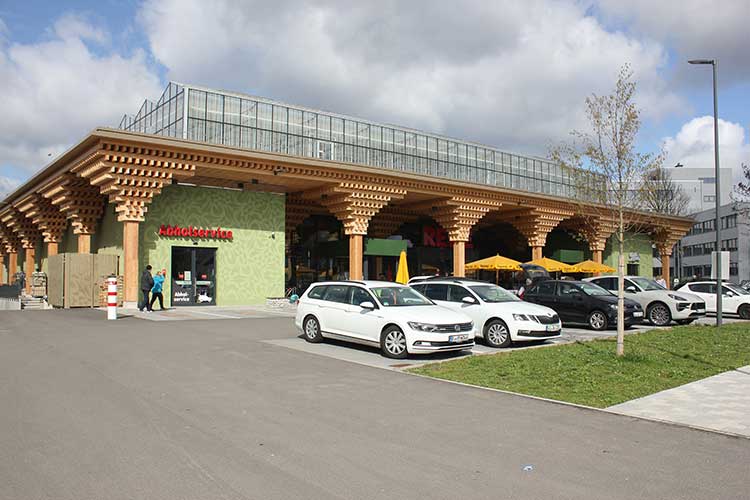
x: 721, y: 403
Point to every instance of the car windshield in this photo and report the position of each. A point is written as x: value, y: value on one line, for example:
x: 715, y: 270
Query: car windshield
x: 592, y: 289
x: 647, y: 284
x: 493, y: 293
x: 737, y: 289
x: 395, y: 296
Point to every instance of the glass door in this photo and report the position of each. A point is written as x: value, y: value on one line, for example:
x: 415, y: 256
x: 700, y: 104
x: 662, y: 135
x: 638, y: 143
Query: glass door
x: 193, y: 276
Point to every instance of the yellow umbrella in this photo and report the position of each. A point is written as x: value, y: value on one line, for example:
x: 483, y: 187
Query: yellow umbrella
x: 591, y: 267
x: 402, y: 275
x: 553, y: 266
x: 496, y: 263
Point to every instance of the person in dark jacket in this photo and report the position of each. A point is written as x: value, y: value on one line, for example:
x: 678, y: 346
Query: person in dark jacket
x: 147, y: 283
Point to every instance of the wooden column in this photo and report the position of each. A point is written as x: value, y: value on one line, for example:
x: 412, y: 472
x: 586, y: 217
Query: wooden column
x: 536, y: 252
x: 51, y: 249
x: 596, y: 256
x: 30, y: 265
x: 2, y: 266
x: 130, y: 267
x: 665, y: 268
x: 84, y: 243
x: 355, y: 256
x: 459, y: 259
x: 12, y: 266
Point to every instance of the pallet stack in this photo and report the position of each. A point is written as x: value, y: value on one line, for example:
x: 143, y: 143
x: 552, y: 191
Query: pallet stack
x: 101, y: 284
x: 38, y: 285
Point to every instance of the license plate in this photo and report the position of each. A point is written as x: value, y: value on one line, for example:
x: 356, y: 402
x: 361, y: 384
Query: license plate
x: 701, y: 310
x: 458, y: 338
x: 552, y: 328
x: 638, y: 314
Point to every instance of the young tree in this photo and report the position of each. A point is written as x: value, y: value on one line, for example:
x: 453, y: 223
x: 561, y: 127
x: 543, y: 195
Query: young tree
x: 741, y: 192
x: 662, y: 195
x: 611, y: 170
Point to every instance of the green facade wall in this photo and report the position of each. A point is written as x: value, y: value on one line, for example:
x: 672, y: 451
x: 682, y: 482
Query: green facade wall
x: 634, y: 243
x: 69, y: 243
x: 108, y: 236
x: 250, y: 267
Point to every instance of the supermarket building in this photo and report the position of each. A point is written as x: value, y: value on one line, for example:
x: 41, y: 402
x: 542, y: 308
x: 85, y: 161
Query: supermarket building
x: 240, y: 197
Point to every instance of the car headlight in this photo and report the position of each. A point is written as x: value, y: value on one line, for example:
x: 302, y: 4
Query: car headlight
x: 520, y: 317
x: 422, y: 327
x: 676, y: 297
x: 613, y: 307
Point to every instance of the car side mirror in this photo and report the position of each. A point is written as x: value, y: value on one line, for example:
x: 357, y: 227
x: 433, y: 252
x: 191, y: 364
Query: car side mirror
x: 469, y: 300
x: 367, y: 305
x: 631, y: 289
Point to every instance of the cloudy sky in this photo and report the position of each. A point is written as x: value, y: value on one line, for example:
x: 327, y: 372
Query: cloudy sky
x: 512, y: 74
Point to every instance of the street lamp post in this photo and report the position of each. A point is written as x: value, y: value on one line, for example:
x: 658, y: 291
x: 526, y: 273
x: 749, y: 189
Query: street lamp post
x: 712, y: 62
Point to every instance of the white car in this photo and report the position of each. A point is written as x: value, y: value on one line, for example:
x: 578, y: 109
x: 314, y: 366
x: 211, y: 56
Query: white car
x: 388, y: 315
x: 734, y: 299
x: 500, y: 316
x: 662, y: 306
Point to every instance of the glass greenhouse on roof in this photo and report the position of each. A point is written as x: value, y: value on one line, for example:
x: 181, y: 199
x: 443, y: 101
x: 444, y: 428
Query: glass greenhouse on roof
x: 255, y: 123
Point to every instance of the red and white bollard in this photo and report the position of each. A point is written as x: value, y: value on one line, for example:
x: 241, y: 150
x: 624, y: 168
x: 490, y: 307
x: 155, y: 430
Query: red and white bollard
x: 112, y: 297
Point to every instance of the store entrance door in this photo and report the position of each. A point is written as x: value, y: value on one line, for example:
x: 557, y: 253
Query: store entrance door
x: 193, y: 276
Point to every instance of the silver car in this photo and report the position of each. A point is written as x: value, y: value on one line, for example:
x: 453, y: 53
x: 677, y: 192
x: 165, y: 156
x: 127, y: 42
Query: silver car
x: 662, y: 306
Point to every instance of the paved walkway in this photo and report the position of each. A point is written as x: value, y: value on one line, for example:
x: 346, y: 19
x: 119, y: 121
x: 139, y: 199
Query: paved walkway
x: 721, y: 402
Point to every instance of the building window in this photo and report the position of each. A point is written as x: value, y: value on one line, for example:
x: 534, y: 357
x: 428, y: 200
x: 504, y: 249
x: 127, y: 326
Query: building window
x: 733, y: 271
x: 325, y: 150
x: 729, y: 221
x: 729, y: 245
x: 633, y: 269
x: 687, y: 251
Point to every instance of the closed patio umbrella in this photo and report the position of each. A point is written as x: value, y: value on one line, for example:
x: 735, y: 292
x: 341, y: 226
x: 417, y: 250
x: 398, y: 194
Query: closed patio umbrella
x: 402, y: 275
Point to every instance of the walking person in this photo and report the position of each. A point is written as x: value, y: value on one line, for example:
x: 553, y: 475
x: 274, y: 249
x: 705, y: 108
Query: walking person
x: 147, y: 283
x: 156, y: 290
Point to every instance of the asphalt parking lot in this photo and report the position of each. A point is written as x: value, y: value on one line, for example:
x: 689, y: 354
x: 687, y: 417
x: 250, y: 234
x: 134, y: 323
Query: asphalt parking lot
x: 210, y: 409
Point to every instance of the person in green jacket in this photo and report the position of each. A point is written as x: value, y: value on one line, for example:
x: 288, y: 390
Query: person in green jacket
x: 156, y: 290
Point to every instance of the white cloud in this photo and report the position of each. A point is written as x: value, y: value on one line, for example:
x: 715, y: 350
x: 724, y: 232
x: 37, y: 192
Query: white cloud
x: 693, y: 145
x: 697, y: 29
x: 57, y: 90
x: 511, y: 74
x: 7, y: 185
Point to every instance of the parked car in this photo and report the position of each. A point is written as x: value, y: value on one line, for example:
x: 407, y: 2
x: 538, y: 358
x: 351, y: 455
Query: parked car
x: 388, y: 315
x: 734, y: 298
x: 500, y: 317
x: 583, y: 302
x: 661, y: 305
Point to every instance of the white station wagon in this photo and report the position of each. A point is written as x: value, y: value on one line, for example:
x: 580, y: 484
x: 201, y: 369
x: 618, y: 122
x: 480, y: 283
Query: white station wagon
x: 500, y: 316
x: 734, y: 298
x: 388, y: 315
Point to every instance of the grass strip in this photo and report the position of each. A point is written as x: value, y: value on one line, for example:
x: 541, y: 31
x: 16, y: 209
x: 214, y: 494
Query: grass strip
x: 590, y: 373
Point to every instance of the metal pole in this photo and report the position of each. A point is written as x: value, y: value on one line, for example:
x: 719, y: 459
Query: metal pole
x: 718, y: 201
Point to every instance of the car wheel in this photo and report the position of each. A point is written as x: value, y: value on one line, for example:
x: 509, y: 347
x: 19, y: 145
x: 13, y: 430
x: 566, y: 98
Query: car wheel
x: 684, y: 321
x: 744, y: 311
x: 597, y: 320
x: 393, y: 343
x: 496, y: 334
x: 311, y: 328
x: 659, y: 315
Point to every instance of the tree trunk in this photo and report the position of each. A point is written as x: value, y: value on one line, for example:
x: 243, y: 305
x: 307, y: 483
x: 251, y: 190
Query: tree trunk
x: 621, y: 291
